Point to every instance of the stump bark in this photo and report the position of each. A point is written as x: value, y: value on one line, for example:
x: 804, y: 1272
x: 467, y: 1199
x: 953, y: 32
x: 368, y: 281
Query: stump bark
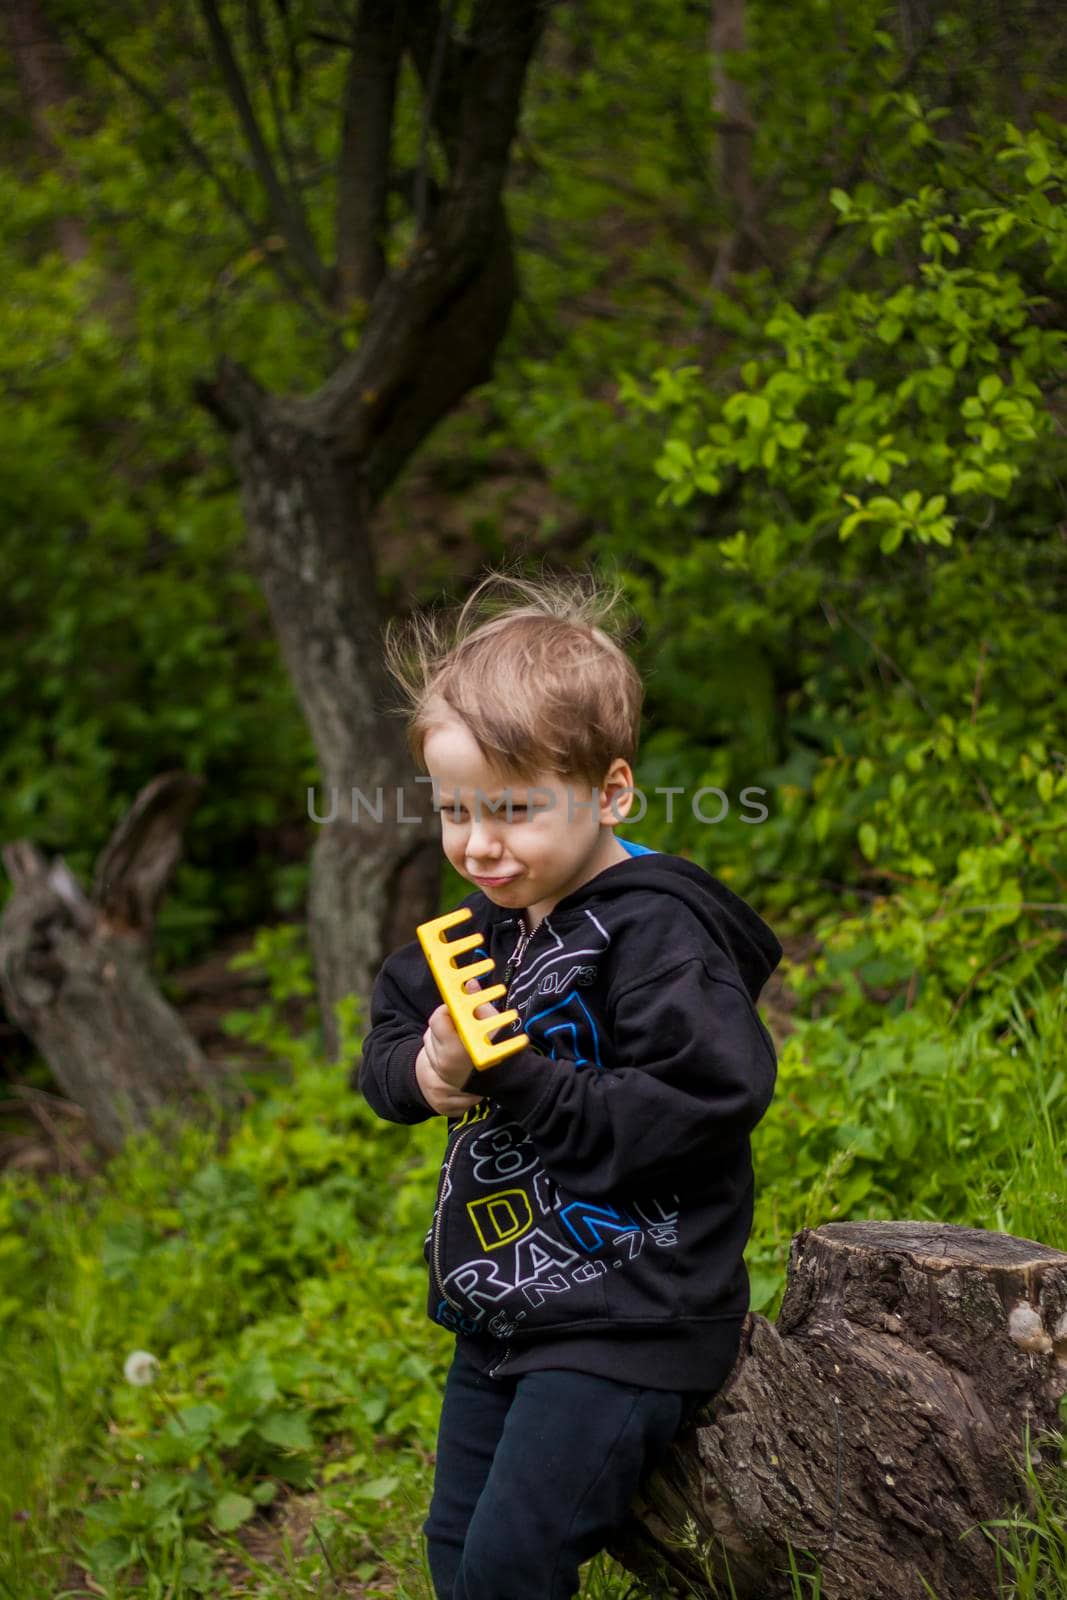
x: 75, y: 974
x: 872, y: 1427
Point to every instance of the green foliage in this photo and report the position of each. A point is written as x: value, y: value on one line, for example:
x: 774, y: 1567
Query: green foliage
x: 915, y: 1116
x: 282, y: 1302
x: 277, y: 1281
x: 898, y: 388
x: 942, y: 772
x: 136, y: 638
x: 833, y: 483
x: 136, y: 641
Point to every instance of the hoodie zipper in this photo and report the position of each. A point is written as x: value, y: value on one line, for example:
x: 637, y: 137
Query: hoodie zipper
x: 509, y: 972
x: 516, y: 956
x: 436, y: 1244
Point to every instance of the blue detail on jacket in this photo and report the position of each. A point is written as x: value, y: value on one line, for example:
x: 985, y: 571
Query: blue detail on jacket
x: 568, y: 1046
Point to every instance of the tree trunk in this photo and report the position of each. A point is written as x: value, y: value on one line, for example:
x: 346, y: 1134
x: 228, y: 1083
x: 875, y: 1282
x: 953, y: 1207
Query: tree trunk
x: 736, y: 133
x: 41, y: 64
x: 313, y: 468
x: 75, y: 975
x: 873, y: 1426
x: 375, y: 866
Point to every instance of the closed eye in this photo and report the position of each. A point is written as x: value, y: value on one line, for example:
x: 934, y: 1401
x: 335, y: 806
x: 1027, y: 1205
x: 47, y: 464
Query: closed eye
x: 460, y: 813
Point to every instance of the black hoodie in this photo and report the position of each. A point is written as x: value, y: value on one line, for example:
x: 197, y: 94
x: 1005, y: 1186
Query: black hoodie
x: 593, y: 1209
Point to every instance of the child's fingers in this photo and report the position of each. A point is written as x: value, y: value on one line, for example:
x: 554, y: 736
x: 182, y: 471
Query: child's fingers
x: 481, y: 1012
x: 441, y: 1025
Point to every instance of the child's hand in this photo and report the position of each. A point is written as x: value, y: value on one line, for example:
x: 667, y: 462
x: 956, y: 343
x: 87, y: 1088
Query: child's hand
x: 445, y: 1052
x: 438, y: 1094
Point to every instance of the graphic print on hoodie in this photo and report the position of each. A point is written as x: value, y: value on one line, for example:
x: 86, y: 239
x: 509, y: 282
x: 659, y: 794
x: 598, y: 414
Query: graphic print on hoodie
x: 605, y: 1180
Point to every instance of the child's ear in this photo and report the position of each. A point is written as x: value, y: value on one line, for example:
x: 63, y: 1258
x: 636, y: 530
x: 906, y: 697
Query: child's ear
x: 616, y: 792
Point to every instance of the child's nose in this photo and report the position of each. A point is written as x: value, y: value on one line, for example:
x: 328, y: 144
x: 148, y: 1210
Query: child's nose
x: 482, y: 839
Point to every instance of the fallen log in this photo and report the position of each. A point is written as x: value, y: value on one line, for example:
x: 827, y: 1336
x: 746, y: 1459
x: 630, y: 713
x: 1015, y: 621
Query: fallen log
x: 872, y: 1427
x: 75, y: 973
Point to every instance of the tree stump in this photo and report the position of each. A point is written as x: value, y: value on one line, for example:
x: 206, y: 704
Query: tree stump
x: 74, y: 969
x: 873, y: 1426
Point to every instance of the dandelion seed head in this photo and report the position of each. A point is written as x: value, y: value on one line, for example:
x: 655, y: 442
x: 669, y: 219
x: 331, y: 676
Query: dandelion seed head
x: 140, y: 1368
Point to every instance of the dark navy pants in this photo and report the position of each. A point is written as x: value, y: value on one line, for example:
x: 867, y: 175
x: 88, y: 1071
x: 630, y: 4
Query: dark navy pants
x: 533, y: 1474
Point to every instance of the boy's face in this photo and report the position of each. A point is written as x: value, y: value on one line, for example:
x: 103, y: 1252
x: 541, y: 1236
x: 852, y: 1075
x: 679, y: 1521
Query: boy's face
x: 558, y: 837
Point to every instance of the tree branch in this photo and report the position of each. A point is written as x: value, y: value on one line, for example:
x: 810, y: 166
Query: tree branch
x: 503, y: 36
x: 287, y: 211
x: 366, y: 140
x: 431, y: 90
x: 424, y: 33
x: 295, y: 75
x: 261, y: 50
x: 436, y: 321
x: 201, y: 159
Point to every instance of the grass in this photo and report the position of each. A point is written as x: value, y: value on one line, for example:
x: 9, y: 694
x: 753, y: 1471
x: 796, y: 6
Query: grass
x: 285, y: 1449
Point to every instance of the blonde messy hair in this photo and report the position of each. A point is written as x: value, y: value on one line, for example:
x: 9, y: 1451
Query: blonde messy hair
x: 532, y: 668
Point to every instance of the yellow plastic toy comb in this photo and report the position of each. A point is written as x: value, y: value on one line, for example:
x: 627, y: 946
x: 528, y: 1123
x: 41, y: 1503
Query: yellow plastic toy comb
x: 441, y: 954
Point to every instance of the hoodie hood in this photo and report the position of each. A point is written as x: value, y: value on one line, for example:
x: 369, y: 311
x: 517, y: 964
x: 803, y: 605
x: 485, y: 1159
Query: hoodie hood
x: 742, y: 935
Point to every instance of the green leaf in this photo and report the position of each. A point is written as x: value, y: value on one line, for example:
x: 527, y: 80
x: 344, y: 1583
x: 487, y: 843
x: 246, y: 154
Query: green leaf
x: 231, y: 1510
x: 286, y: 1428
x: 868, y: 838
x: 252, y: 1385
x: 678, y: 450
x: 376, y: 1488
x: 109, y: 1556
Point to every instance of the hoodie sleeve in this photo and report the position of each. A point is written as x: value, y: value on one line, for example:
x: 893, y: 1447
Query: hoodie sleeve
x: 387, y: 1071
x: 692, y: 1070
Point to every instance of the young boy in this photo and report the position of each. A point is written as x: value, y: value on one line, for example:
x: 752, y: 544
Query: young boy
x: 596, y: 1189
